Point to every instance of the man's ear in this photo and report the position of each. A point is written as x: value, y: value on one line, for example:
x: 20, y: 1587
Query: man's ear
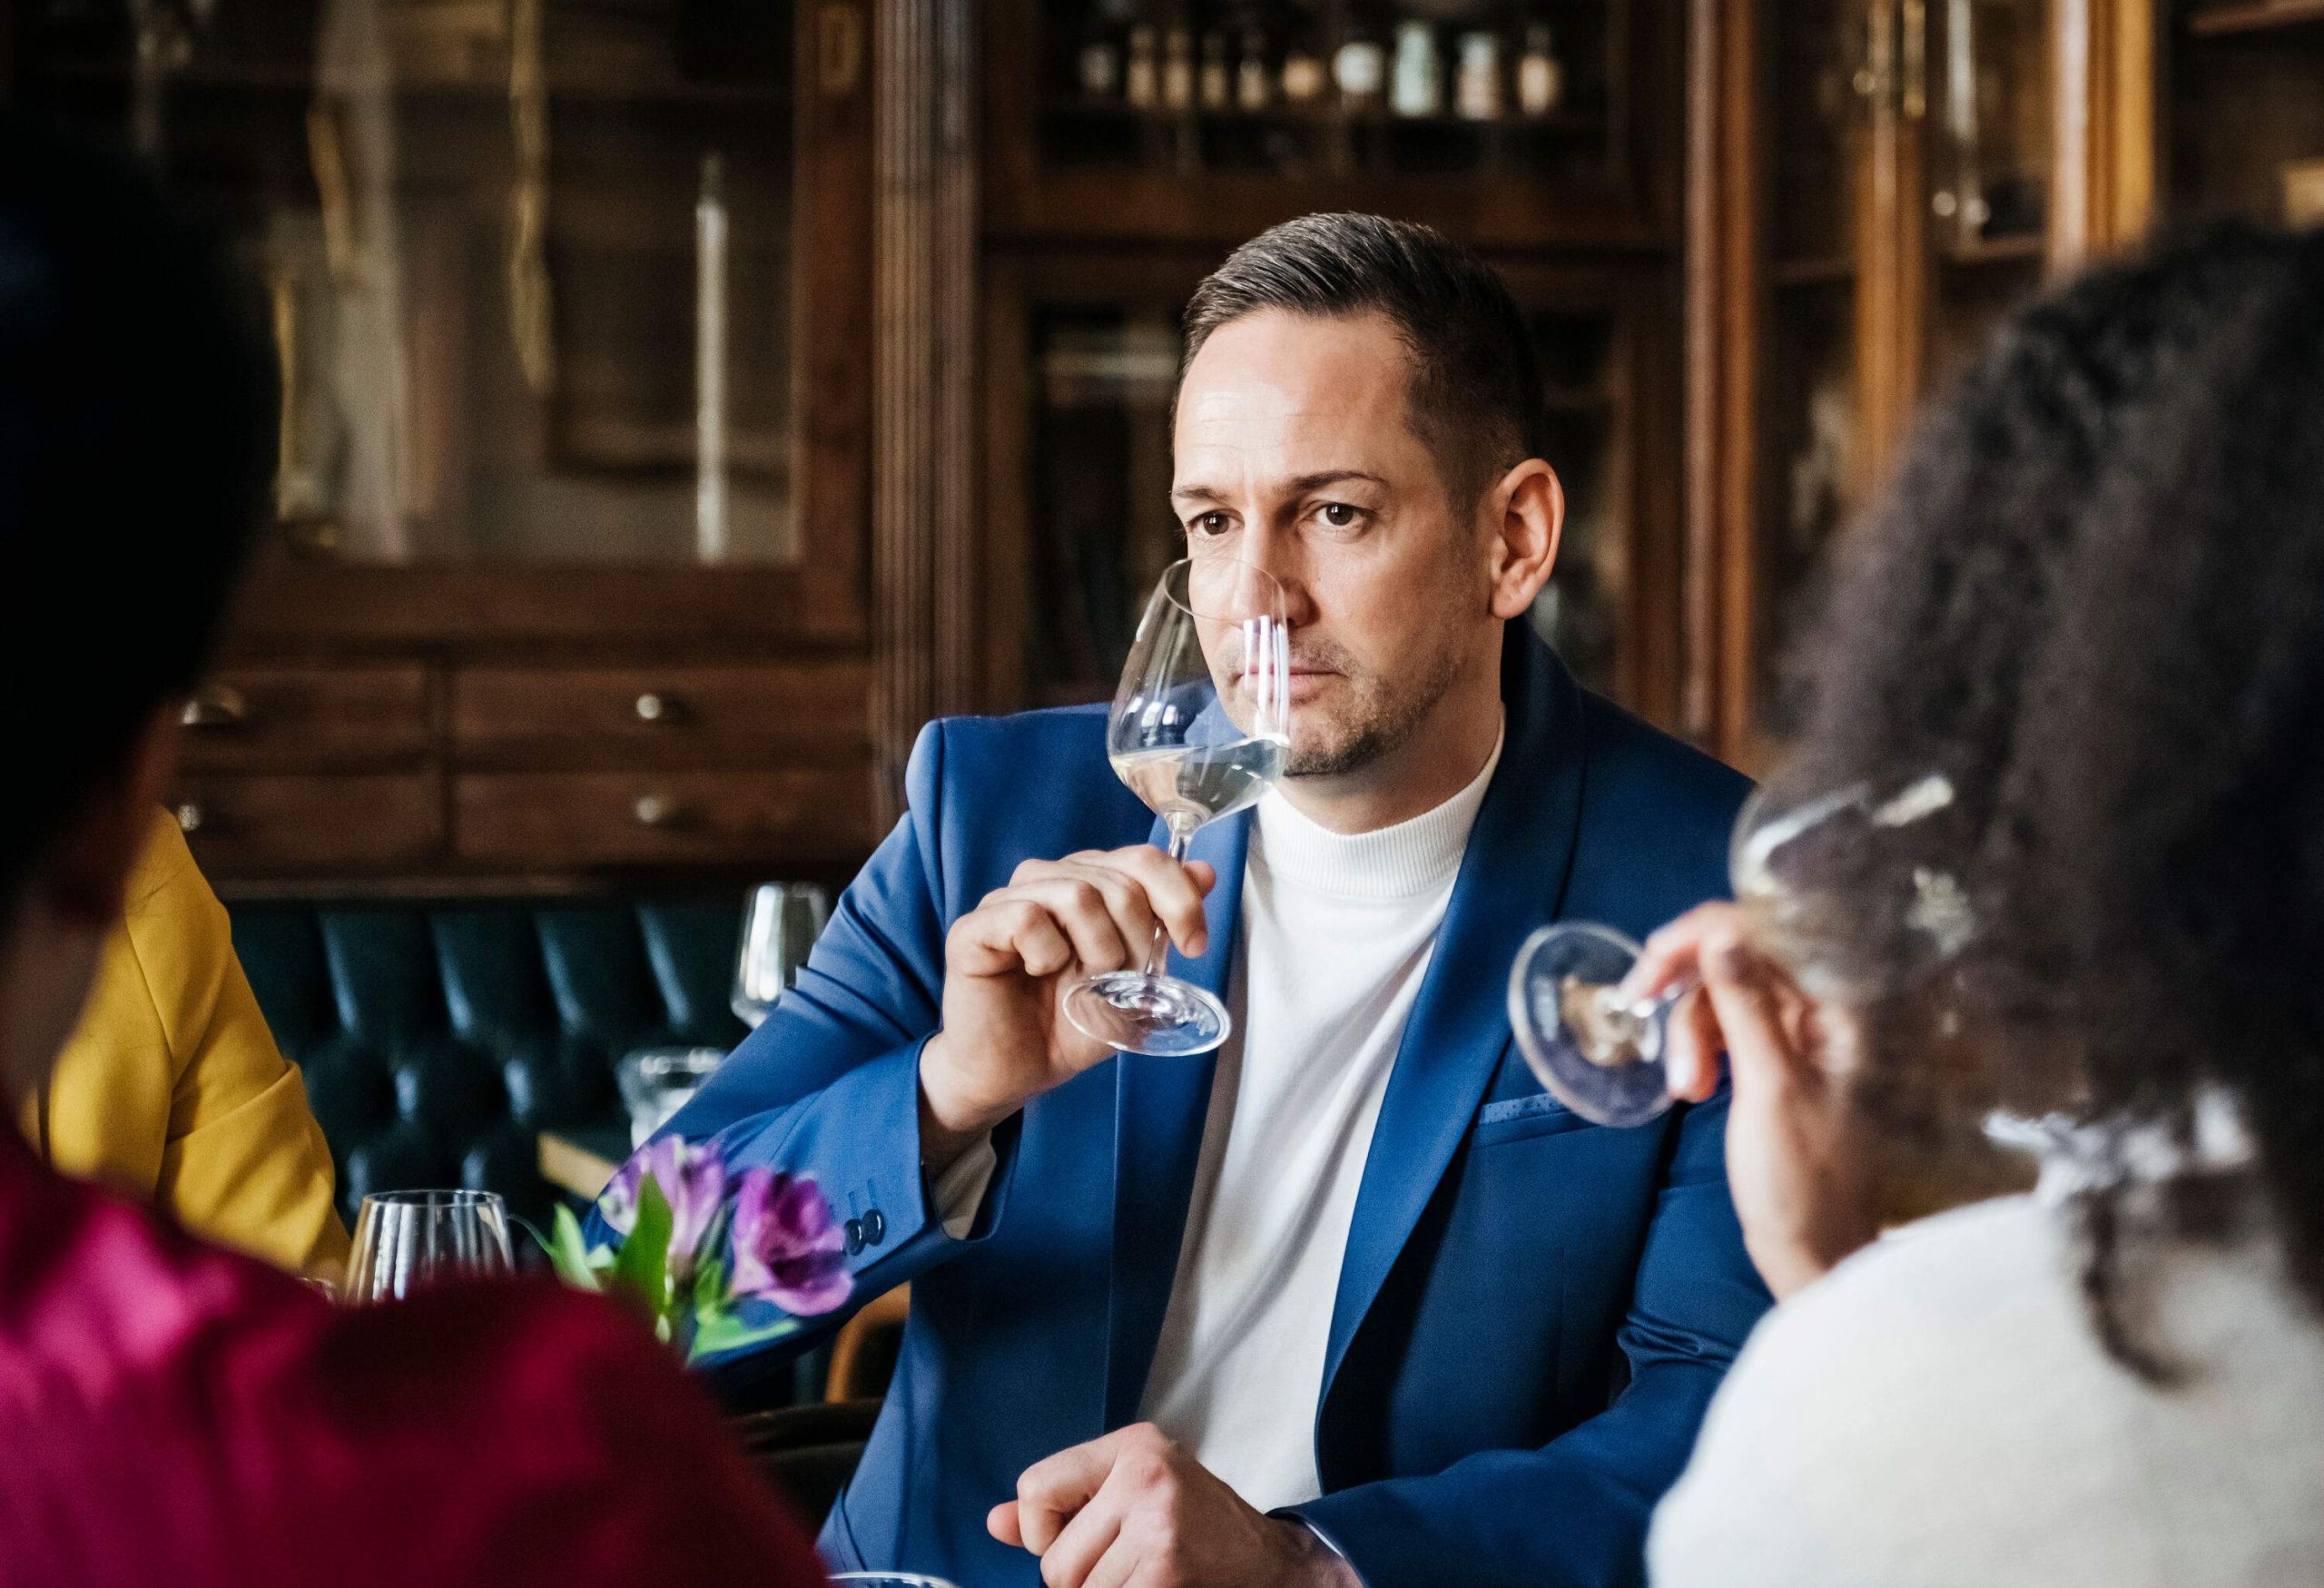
x: 1530, y: 520
x: 88, y: 871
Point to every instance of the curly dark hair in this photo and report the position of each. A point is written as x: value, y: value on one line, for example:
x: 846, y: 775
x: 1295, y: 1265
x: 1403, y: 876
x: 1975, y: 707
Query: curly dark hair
x: 2093, y: 598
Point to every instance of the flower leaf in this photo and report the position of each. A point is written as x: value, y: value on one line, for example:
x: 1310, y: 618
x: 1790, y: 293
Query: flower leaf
x: 570, y: 1256
x: 643, y: 1265
x: 726, y: 1331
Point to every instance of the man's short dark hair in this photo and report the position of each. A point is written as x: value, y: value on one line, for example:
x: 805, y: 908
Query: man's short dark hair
x: 1476, y: 391
x: 136, y: 449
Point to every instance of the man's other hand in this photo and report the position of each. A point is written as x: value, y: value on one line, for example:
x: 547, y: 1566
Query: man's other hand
x: 1132, y: 1509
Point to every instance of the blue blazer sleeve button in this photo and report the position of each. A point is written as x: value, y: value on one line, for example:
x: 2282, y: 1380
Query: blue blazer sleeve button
x: 875, y: 1228
x: 854, y: 1236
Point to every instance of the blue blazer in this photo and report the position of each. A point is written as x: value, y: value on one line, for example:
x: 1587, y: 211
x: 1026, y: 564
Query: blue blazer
x: 1532, y: 1312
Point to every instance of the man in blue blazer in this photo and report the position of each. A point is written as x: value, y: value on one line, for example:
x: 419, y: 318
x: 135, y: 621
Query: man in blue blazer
x: 1352, y: 1300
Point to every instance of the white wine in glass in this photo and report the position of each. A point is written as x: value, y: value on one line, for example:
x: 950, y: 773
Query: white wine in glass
x: 1201, y: 728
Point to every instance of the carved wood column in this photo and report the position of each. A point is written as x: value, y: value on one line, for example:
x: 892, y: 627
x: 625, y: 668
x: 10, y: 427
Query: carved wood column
x: 925, y: 571
x: 2106, y: 128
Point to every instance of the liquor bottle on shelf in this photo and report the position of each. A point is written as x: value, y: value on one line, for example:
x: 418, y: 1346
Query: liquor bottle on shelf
x: 1305, y: 79
x: 1476, y: 90
x: 1142, y: 79
x: 1540, y: 76
x: 1253, y: 86
x: 1416, y: 87
x: 1216, y: 83
x: 1099, y: 68
x: 1179, y: 69
x: 1360, y: 71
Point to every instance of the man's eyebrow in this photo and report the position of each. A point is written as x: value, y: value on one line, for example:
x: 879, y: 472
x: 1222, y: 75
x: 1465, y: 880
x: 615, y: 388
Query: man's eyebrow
x: 1298, y: 486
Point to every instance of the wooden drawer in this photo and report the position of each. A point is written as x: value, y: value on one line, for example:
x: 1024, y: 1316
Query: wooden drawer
x: 660, y: 716
x: 265, y: 719
x: 258, y: 825
x: 545, y: 819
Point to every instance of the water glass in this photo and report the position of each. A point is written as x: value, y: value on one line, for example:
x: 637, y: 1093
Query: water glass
x: 781, y: 924
x: 656, y: 1082
x: 405, y: 1241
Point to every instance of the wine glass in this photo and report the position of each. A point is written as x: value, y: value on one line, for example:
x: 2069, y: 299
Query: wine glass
x: 780, y: 925
x: 1601, y: 1050
x: 656, y: 1082
x: 408, y: 1240
x: 1201, y: 728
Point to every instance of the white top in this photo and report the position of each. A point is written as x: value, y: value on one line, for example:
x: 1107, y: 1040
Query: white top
x: 1938, y: 1412
x: 1337, y: 931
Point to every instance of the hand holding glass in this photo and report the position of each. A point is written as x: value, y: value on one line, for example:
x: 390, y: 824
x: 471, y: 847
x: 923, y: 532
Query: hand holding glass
x: 1601, y: 1048
x: 1201, y: 728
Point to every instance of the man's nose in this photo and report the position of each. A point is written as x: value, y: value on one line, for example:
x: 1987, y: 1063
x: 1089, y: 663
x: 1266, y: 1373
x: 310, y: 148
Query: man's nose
x: 1272, y: 554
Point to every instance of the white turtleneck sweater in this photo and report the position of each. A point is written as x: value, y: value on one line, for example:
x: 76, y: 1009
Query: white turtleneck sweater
x: 1337, y: 931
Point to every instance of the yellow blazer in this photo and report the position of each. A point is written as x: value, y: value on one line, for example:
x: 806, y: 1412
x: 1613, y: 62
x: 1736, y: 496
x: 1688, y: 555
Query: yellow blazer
x: 172, y: 1090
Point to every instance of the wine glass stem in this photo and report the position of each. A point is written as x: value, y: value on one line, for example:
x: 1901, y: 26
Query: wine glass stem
x: 1182, y: 833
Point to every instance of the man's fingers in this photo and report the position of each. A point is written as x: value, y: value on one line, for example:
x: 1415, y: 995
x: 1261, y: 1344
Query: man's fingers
x: 1005, y: 936
x: 1001, y: 1523
x: 1073, y: 1556
x: 1171, y: 891
x: 1051, y: 1491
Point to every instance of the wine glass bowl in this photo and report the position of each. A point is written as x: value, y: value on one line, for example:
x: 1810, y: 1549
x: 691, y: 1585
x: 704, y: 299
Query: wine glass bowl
x: 1200, y: 729
x: 1598, y: 1052
x: 405, y: 1241
x: 780, y: 926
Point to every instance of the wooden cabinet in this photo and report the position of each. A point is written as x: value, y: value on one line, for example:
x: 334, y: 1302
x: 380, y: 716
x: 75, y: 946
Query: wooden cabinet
x: 1508, y: 122
x: 1875, y: 184
x: 1111, y: 190
x: 572, y: 307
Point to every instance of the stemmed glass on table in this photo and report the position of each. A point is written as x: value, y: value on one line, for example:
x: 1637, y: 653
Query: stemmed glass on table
x: 1201, y: 728
x: 1601, y: 1048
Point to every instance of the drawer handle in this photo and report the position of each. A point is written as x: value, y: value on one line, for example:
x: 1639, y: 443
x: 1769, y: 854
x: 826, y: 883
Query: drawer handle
x: 655, y: 707
x: 193, y: 816
x: 216, y: 705
x: 661, y: 812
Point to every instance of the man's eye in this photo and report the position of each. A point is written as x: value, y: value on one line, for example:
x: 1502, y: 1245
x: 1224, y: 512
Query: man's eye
x: 1210, y: 523
x: 1340, y: 515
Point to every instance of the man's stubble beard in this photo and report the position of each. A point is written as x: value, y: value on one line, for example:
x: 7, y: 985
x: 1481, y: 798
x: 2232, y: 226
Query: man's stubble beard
x: 1380, y: 725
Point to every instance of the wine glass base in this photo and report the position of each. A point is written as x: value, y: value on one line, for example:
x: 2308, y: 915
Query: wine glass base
x: 1558, y: 962
x: 1132, y: 1011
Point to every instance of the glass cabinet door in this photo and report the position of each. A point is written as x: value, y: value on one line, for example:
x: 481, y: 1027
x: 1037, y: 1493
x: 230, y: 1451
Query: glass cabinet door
x: 1907, y: 210
x: 528, y: 263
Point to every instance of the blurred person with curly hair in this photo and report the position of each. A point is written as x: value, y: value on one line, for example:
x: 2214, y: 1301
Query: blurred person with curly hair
x: 2092, y: 604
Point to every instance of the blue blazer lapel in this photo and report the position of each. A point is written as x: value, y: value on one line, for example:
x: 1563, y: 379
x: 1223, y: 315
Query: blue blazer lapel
x: 1160, y: 1105
x: 1511, y: 880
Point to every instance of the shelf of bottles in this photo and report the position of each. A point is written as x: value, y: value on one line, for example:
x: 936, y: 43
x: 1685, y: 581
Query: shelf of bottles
x: 528, y: 262
x: 1102, y: 527
x: 1483, y: 88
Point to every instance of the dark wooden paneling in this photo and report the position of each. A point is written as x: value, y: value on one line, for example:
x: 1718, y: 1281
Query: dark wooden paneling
x: 260, y: 825
x: 658, y: 714
x: 584, y: 820
x: 283, y: 718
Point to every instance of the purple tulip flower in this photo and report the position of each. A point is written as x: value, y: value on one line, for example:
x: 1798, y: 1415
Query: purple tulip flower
x: 693, y: 1183
x: 788, y: 1249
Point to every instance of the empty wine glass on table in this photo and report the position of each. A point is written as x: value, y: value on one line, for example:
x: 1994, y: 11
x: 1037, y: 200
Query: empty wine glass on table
x: 1600, y: 1047
x: 405, y: 1241
x: 780, y: 925
x: 1201, y: 728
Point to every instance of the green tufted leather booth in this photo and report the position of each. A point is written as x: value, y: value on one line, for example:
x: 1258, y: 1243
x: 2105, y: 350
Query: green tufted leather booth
x: 439, y: 1040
